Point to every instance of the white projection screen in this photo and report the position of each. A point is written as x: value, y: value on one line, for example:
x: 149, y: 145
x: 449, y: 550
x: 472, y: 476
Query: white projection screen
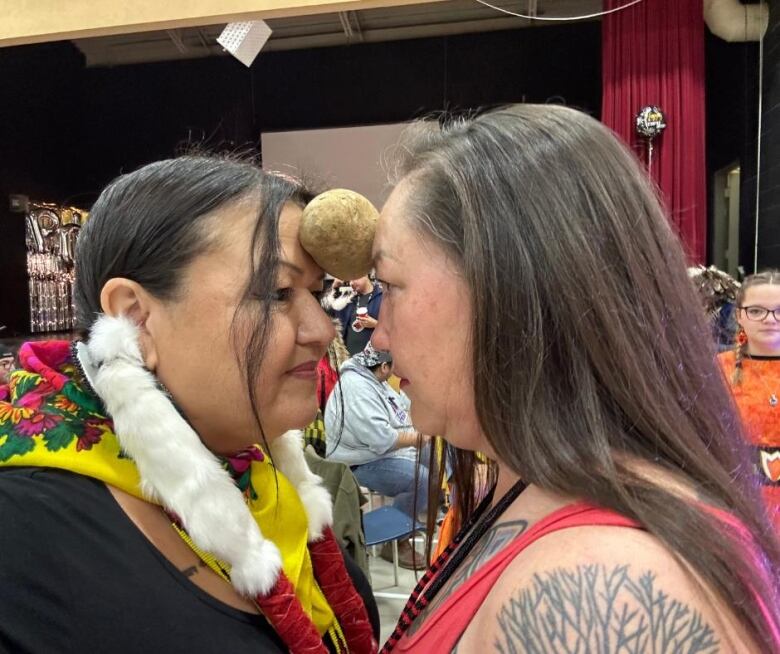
x: 344, y: 157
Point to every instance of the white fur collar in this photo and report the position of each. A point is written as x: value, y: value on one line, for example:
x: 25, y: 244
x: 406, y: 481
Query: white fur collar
x: 200, y: 492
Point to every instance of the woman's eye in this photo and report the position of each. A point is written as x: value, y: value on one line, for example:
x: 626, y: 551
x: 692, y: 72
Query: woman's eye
x: 282, y: 295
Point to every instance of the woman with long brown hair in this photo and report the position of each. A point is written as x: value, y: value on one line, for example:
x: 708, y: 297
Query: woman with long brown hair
x: 538, y: 310
x: 753, y: 369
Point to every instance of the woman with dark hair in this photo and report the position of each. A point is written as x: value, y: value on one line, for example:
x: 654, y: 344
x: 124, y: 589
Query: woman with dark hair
x: 753, y: 369
x: 140, y: 512
x: 527, y: 248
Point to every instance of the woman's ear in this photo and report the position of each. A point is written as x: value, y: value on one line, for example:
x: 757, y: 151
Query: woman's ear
x: 124, y: 297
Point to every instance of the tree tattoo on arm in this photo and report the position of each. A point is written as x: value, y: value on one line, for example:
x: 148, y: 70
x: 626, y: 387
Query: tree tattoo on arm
x: 593, y: 608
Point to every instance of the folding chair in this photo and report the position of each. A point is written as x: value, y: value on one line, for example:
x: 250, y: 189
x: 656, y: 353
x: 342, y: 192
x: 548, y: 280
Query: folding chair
x: 389, y: 524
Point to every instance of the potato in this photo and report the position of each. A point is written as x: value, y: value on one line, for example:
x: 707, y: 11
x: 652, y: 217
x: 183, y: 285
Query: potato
x: 337, y: 230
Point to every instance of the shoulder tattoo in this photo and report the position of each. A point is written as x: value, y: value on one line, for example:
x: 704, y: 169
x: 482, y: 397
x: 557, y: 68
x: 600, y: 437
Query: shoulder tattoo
x: 495, y: 539
x: 603, y: 609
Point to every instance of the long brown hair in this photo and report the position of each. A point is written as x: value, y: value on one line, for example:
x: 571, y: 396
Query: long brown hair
x: 741, y: 348
x: 590, y: 349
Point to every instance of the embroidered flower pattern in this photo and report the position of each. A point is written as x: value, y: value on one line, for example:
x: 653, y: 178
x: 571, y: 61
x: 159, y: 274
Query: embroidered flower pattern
x: 64, y: 404
x: 35, y: 398
x: 47, y: 405
x: 37, y: 424
x: 21, y: 382
x: 93, y: 434
x: 14, y: 415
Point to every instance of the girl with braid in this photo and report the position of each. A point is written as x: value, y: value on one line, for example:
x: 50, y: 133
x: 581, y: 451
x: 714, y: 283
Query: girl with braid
x: 538, y: 309
x: 753, y: 370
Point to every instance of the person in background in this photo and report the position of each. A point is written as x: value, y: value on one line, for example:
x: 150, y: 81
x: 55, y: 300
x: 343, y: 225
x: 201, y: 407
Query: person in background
x: 359, y: 317
x: 753, y: 369
x: 327, y: 378
x: 6, y: 363
x: 376, y: 438
x: 329, y: 365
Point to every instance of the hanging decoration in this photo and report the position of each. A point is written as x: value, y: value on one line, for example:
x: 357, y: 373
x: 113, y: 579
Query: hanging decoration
x: 51, y: 233
x: 649, y: 125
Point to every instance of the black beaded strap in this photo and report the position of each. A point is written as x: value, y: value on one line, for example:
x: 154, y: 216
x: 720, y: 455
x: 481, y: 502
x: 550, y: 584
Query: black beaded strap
x: 443, y: 568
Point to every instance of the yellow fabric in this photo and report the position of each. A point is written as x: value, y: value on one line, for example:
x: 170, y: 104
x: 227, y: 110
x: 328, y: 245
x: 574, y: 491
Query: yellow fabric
x: 314, y: 435
x: 283, y: 522
x: 48, y: 419
x: 103, y: 461
x: 280, y: 516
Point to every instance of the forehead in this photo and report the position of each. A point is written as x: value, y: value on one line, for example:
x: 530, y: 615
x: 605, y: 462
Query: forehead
x: 290, y: 244
x: 392, y: 228
x: 235, y: 222
x: 766, y: 295
x: 400, y: 243
x: 222, y: 271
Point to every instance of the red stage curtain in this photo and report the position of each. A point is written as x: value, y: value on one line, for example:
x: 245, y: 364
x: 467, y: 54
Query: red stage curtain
x: 653, y: 54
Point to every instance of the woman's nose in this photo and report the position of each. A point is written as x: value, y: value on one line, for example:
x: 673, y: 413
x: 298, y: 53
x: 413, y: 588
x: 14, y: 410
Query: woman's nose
x: 380, y: 339
x: 316, y: 327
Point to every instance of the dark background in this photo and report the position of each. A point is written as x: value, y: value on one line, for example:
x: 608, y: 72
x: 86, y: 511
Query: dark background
x: 66, y: 130
x: 769, y: 201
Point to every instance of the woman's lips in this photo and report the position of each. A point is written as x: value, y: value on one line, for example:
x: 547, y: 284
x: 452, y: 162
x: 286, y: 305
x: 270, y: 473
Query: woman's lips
x: 403, y: 383
x: 306, y: 370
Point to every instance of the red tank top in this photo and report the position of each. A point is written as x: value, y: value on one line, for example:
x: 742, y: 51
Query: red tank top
x: 443, y: 629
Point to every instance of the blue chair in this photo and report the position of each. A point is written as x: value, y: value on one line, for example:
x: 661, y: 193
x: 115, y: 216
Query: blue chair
x: 389, y: 524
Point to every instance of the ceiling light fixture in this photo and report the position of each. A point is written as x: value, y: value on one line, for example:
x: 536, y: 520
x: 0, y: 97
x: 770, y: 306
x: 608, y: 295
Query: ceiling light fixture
x: 245, y: 40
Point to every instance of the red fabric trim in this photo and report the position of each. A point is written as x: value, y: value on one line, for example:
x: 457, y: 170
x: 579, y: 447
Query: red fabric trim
x: 283, y: 610
x: 332, y: 576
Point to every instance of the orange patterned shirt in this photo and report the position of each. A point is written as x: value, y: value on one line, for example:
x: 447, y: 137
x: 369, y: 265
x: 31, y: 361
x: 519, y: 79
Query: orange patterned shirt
x: 757, y: 397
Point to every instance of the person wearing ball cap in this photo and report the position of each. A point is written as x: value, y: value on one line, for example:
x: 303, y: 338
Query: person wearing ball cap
x: 371, y: 357
x: 6, y: 363
x: 368, y: 427
x: 153, y: 488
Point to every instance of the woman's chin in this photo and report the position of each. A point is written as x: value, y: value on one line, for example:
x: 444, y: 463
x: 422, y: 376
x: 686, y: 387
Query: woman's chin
x: 768, y: 342
x: 302, y: 418
x: 426, y: 423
